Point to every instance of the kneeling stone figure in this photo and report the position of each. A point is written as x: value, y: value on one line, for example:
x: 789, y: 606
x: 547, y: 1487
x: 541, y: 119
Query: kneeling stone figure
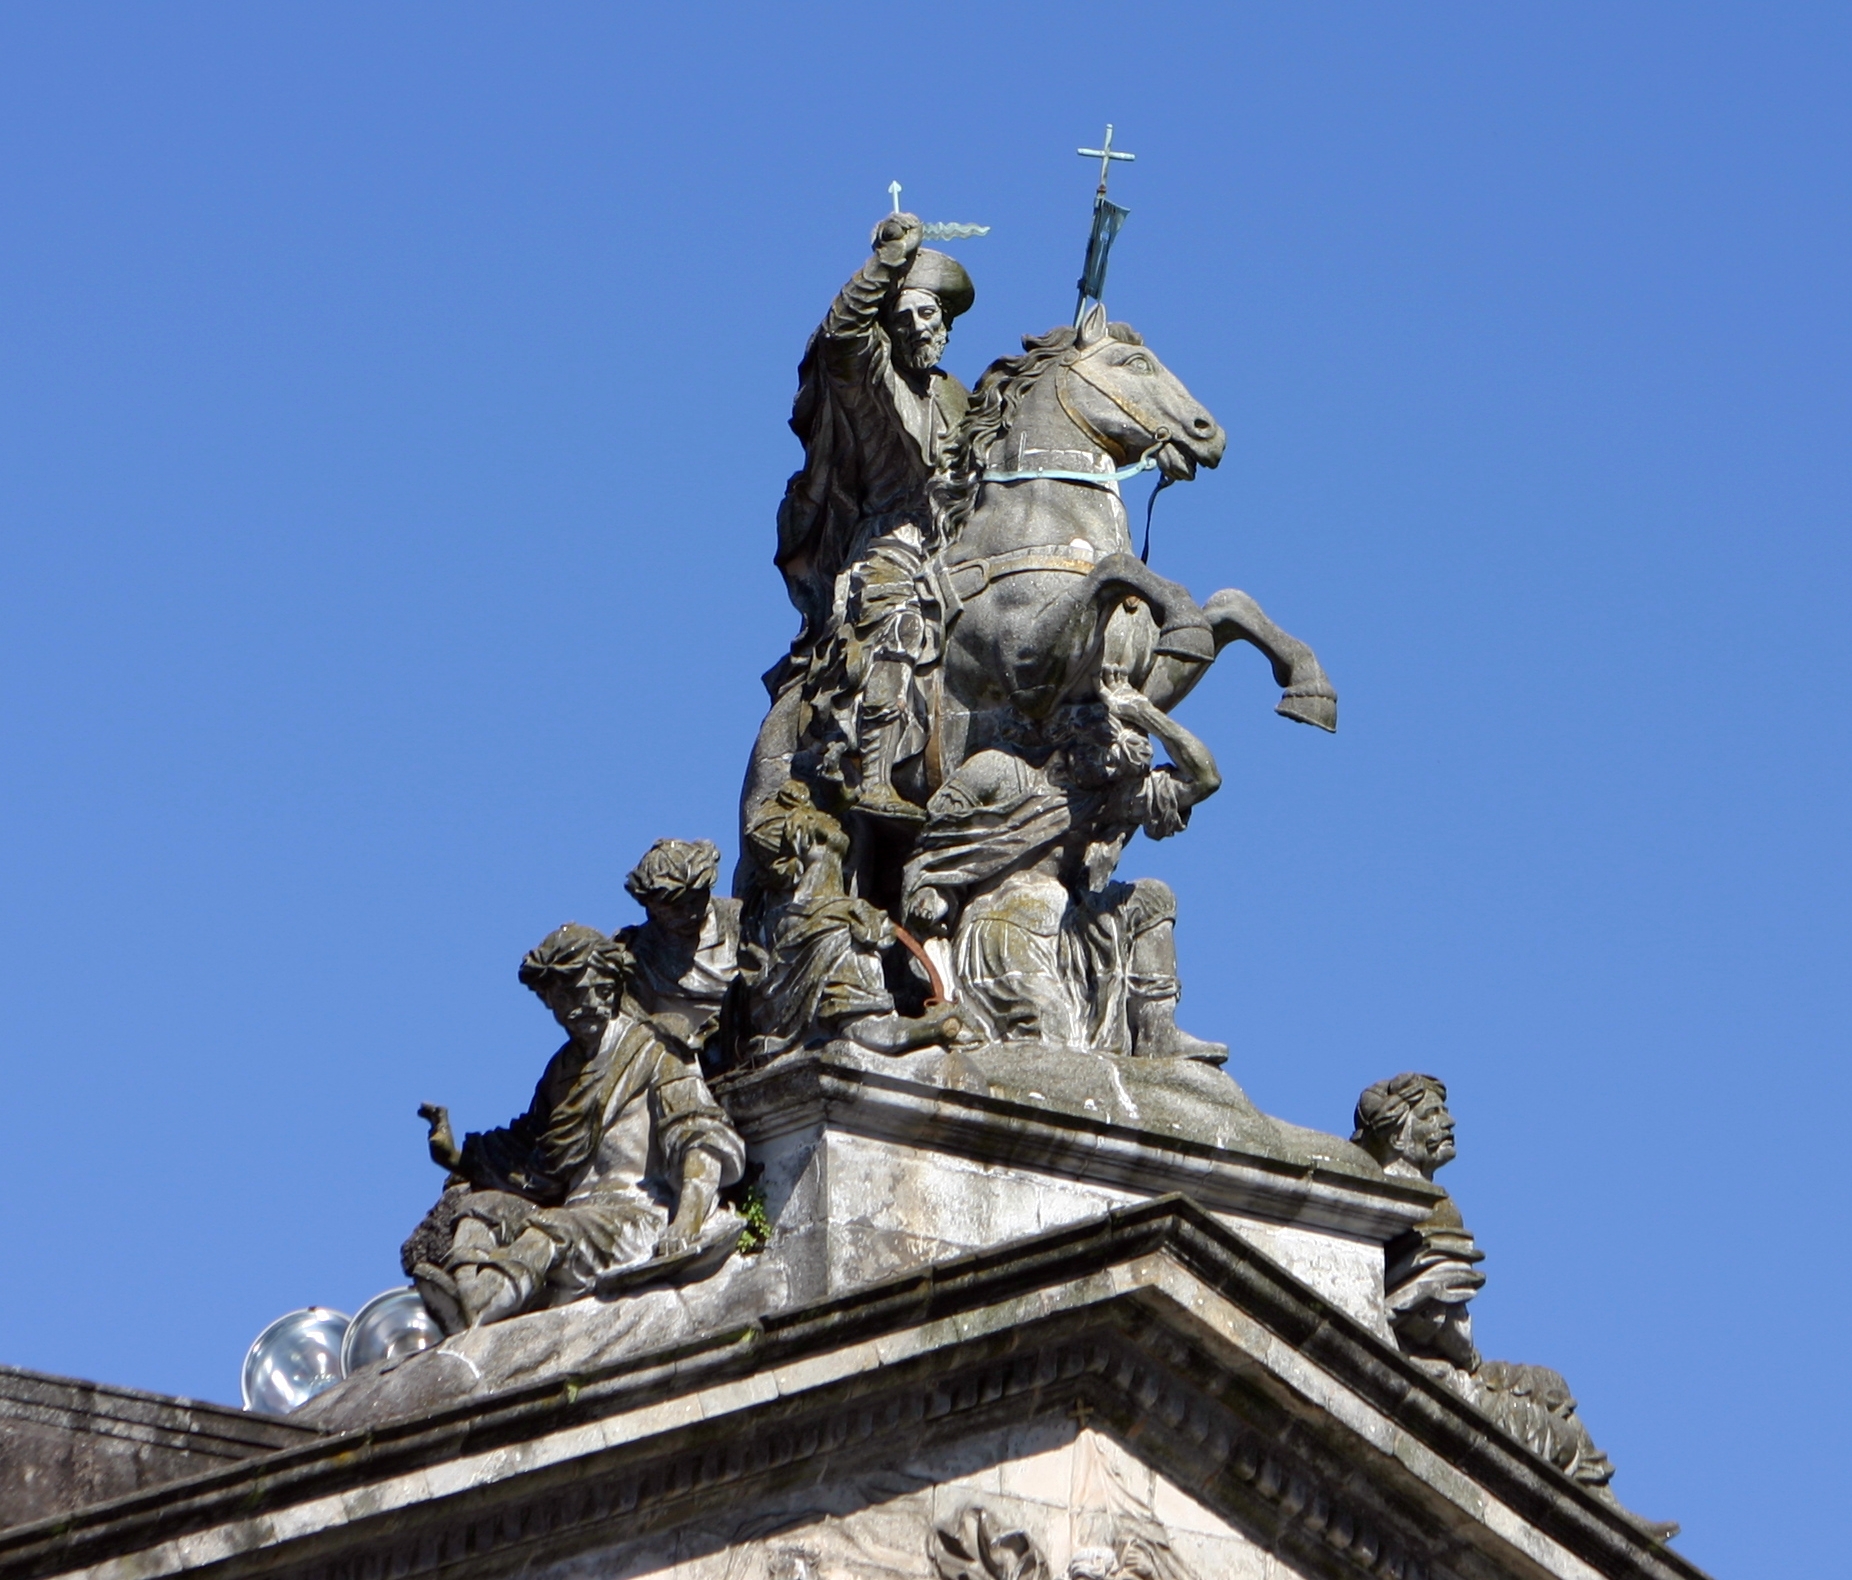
x: 617, y: 1162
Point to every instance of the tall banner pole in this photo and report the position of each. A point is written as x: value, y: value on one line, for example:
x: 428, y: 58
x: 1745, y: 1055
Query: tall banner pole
x: 1108, y: 218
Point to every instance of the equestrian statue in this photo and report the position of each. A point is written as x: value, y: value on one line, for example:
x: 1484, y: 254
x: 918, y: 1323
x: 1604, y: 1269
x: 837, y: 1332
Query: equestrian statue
x: 981, y: 667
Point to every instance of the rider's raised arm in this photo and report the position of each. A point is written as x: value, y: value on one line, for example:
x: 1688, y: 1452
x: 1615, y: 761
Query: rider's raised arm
x: 854, y: 316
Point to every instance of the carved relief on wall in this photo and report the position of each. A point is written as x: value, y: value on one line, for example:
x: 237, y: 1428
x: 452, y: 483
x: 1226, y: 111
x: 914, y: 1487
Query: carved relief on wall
x: 1084, y: 1510
x: 1061, y: 1505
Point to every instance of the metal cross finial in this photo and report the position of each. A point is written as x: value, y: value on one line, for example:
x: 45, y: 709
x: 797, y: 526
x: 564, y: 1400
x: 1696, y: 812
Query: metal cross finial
x: 1106, y: 155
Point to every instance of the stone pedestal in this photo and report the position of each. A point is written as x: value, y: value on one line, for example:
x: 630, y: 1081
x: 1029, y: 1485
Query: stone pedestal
x: 872, y: 1166
x: 1022, y: 1314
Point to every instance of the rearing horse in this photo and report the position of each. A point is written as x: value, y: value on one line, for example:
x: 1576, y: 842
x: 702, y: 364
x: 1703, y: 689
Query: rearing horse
x: 1040, y: 583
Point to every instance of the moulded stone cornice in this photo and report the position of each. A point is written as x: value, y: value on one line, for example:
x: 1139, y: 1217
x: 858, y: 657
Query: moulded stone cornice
x: 1278, y: 1175
x: 1173, y: 1334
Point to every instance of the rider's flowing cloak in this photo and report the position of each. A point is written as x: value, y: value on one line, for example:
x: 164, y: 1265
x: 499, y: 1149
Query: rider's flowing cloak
x: 818, y: 514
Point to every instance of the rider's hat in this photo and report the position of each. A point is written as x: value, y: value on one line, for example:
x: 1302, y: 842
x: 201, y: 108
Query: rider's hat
x: 944, y: 277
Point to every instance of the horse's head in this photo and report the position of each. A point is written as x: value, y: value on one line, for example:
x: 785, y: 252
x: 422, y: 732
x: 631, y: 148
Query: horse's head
x: 1123, y: 399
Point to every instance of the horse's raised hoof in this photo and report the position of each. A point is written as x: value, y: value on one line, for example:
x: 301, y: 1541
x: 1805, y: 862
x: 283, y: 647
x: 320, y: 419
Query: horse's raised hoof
x: 1320, y: 710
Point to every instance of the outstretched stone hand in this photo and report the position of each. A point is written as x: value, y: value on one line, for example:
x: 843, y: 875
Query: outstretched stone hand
x: 1125, y: 702
x: 701, y: 1171
x: 897, y: 238
x: 444, y: 1150
x: 1131, y: 707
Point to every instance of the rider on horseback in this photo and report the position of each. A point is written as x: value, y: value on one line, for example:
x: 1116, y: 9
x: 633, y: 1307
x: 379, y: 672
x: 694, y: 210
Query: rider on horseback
x: 876, y: 414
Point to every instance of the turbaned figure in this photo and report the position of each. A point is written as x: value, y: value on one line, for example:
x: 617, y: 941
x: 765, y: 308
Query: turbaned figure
x: 614, y: 1171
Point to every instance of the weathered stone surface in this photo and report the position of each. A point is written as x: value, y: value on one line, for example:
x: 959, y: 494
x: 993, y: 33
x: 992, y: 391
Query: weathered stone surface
x: 1049, y: 1499
x: 65, y: 1444
x: 611, y: 1174
x: 1234, y: 1409
x: 869, y: 1167
x: 1431, y: 1275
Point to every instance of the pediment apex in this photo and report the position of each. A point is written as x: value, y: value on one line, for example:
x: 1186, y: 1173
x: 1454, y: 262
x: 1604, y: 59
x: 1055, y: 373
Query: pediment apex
x: 1154, y: 1324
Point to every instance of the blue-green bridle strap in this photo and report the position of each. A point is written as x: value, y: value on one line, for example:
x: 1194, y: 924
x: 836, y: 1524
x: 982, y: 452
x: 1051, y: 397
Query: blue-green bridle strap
x: 1098, y: 479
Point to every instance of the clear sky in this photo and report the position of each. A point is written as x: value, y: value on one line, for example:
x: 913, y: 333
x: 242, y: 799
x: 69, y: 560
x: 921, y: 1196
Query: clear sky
x: 392, y: 413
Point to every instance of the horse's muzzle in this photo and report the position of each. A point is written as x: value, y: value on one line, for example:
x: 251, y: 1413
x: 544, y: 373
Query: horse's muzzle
x: 1179, y: 457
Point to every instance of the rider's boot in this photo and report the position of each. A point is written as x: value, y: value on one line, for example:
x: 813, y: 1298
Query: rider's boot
x: 876, y: 795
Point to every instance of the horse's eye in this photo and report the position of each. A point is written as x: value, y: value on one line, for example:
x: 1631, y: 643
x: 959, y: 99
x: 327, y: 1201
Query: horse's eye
x: 1138, y: 364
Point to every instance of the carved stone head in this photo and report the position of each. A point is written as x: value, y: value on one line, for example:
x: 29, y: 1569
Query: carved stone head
x: 917, y: 329
x: 918, y: 319
x: 791, y: 836
x: 674, y: 881
x: 1097, y: 749
x: 579, y: 974
x: 1403, y: 1123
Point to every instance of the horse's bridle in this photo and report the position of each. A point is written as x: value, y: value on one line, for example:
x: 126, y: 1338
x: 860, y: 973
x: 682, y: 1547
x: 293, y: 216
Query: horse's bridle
x: 1147, y: 423
x: 1147, y: 460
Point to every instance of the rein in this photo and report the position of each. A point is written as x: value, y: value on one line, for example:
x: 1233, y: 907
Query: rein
x: 1109, y: 480
x: 1146, y: 462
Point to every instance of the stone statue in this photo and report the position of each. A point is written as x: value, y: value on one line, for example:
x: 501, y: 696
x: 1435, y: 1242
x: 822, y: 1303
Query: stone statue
x: 820, y: 974
x: 686, y: 954
x: 982, y: 669
x: 1042, y: 590
x: 1431, y: 1273
x: 619, y: 1158
x: 1016, y: 864
x: 875, y: 413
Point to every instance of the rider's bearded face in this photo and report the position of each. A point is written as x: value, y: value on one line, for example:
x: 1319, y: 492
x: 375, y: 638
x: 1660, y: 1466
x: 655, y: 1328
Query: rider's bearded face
x: 918, y: 329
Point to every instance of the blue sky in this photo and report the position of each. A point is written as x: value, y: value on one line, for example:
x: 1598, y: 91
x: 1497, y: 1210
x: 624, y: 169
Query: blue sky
x: 391, y: 422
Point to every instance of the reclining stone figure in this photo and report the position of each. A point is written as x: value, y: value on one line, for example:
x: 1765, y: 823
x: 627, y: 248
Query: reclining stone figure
x: 616, y: 1164
x: 1431, y: 1272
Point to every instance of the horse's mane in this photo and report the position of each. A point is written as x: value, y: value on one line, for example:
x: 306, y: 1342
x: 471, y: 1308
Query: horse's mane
x: 993, y: 408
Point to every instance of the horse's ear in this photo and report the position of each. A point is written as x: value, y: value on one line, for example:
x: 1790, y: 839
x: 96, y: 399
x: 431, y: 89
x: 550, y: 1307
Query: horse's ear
x: 1092, y: 327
